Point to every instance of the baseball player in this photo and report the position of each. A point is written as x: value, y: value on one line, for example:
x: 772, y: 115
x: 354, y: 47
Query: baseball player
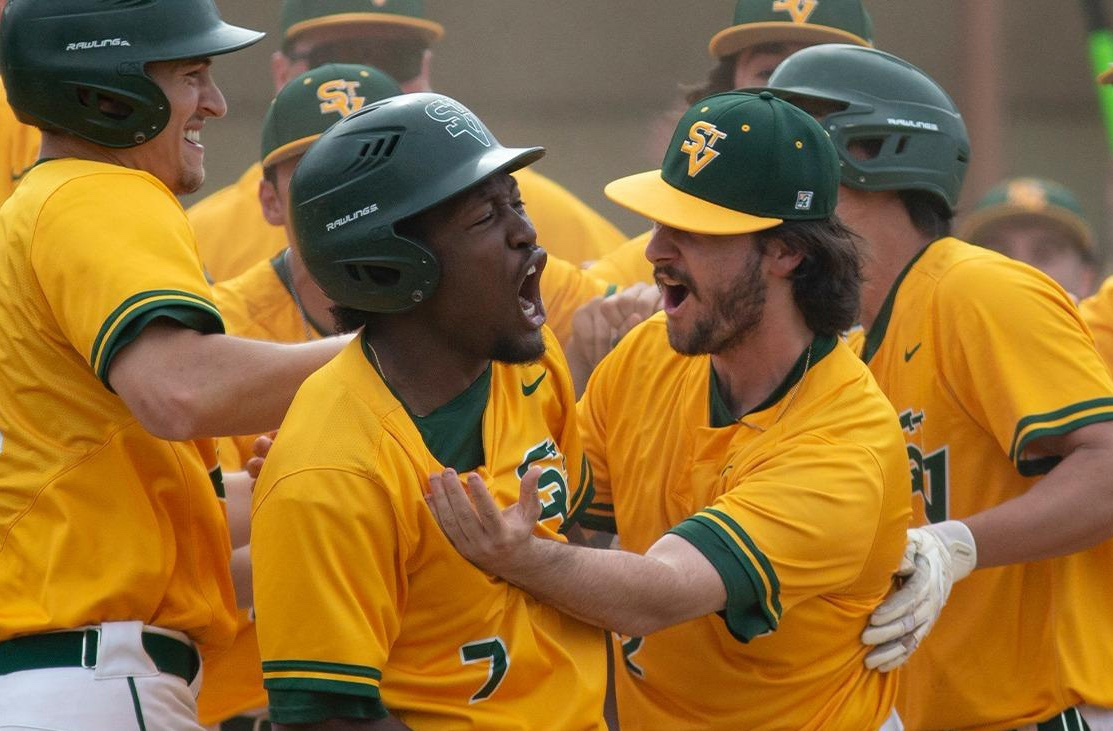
x: 750, y: 466
x: 114, y: 562
x: 763, y: 34
x: 1005, y: 407
x: 1038, y: 222
x: 422, y: 216
x: 395, y: 36
x: 276, y: 301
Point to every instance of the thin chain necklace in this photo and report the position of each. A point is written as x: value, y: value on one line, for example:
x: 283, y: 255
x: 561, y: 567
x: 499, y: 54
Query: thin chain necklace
x: 297, y: 300
x: 375, y: 356
x: 788, y: 401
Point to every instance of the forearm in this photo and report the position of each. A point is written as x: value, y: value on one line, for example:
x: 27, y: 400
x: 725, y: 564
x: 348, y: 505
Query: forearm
x: 182, y: 385
x: 616, y: 590
x: 241, y: 577
x: 1069, y: 510
x: 237, y: 501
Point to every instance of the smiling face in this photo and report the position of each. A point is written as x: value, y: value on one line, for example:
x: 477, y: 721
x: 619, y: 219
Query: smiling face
x: 713, y: 286
x: 175, y: 155
x: 488, y: 301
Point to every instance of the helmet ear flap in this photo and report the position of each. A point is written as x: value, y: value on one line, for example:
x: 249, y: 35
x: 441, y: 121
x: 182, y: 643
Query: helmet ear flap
x: 399, y: 274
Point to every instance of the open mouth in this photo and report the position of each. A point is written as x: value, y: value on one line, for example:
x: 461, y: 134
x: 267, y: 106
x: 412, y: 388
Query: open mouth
x: 674, y: 290
x: 193, y: 137
x: 529, y: 292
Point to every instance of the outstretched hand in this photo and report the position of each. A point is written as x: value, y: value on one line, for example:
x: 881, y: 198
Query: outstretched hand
x: 492, y: 539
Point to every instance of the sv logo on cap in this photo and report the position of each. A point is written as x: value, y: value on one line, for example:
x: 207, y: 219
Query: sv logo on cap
x: 702, y: 137
x: 800, y: 10
x: 459, y: 121
x: 339, y: 96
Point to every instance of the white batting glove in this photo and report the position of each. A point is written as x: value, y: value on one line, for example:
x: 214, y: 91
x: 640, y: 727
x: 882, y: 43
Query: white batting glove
x: 937, y: 555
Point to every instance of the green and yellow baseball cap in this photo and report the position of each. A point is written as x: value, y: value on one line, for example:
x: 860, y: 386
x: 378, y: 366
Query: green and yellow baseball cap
x: 794, y: 21
x: 1031, y: 198
x: 738, y: 163
x: 311, y: 103
x: 299, y: 16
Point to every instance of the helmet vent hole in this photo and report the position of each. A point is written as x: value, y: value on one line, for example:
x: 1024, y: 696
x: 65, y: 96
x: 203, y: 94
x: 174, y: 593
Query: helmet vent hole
x: 902, y: 143
x: 374, y: 152
x: 108, y: 106
x: 376, y: 275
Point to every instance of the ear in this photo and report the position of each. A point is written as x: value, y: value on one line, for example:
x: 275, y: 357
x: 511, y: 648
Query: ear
x: 780, y: 260
x: 421, y: 81
x: 283, y: 69
x: 273, y: 210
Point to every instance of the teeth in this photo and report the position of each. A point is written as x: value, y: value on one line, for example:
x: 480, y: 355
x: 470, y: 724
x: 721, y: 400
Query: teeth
x: 193, y: 135
x: 528, y: 307
x: 532, y: 270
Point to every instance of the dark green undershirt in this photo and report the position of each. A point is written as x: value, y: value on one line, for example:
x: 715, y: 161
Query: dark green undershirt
x: 821, y: 346
x: 454, y: 432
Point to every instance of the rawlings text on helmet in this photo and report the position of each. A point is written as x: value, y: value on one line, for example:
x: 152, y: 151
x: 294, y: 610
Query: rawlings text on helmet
x: 86, y: 45
x: 913, y: 124
x: 354, y: 215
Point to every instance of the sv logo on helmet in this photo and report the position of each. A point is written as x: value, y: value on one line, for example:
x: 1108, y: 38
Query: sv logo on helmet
x: 700, y: 143
x: 800, y: 10
x: 458, y: 121
x: 339, y: 96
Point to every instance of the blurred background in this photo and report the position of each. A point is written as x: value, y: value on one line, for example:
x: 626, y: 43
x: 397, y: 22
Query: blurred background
x: 593, y: 81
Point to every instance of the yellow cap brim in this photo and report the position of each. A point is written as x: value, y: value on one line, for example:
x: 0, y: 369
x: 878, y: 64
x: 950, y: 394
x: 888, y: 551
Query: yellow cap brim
x: 977, y: 222
x: 649, y: 195
x: 427, y: 29
x: 734, y: 39
x: 1106, y: 77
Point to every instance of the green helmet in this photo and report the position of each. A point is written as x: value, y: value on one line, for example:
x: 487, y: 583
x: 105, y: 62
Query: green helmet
x: 60, y: 57
x: 385, y: 163
x: 888, y: 103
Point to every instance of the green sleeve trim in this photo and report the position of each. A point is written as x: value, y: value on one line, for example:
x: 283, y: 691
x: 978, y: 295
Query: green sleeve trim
x: 611, y: 289
x: 1019, y: 444
x: 749, y: 611
x: 597, y: 516
x: 295, y: 706
x: 312, y: 666
x: 1043, y: 465
x: 119, y: 329
x: 582, y: 499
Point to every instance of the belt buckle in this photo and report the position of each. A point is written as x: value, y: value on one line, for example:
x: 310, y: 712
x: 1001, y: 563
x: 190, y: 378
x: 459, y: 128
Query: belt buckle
x: 95, y: 631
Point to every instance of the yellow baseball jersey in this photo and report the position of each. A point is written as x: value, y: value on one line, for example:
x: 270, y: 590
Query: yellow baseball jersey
x: 801, y: 506
x: 99, y: 520
x: 255, y: 305
x: 982, y: 355
x: 19, y: 148
x: 400, y: 619
x: 626, y: 265
x: 1097, y: 313
x: 232, y: 234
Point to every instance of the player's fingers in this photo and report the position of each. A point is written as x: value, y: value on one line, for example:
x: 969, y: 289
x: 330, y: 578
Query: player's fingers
x: 601, y: 338
x: 528, y: 499
x: 453, y: 509
x: 489, y: 514
x: 649, y: 300
x: 262, y: 445
x: 886, y: 657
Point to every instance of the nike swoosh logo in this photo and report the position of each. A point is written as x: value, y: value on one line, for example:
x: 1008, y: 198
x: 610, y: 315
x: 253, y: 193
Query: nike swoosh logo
x: 909, y: 353
x: 528, y: 390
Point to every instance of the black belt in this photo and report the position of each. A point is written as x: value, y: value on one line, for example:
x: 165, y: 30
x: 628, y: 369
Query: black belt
x: 78, y: 649
x: 245, y: 723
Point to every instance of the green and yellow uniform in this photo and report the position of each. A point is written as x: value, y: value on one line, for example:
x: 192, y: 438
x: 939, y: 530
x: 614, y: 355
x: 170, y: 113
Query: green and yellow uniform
x: 975, y: 381
x: 19, y: 148
x: 100, y: 520
x: 232, y: 234
x: 1097, y: 313
x: 400, y: 620
x: 802, y: 508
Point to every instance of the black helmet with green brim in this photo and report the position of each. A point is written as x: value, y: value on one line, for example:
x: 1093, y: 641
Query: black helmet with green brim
x: 387, y: 162
x: 738, y: 163
x: 61, y: 58
x: 869, y: 100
